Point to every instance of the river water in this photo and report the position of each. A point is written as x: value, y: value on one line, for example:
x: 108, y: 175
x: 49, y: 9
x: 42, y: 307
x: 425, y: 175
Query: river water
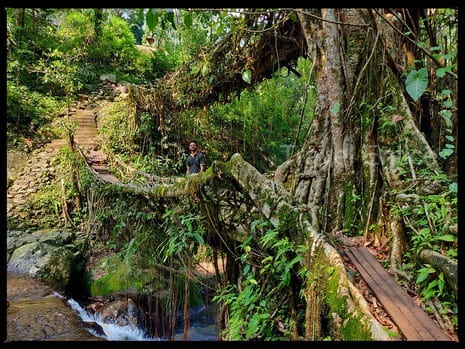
x: 38, y: 313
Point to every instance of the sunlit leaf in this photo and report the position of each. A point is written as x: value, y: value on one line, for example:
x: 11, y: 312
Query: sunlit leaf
x: 445, y: 153
x: 247, y: 76
x: 447, y: 237
x: 416, y: 83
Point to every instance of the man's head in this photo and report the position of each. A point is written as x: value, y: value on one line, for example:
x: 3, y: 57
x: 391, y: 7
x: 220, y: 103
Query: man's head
x: 192, y: 146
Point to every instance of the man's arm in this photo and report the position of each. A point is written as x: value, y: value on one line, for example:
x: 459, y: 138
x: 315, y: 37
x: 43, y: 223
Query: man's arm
x: 202, y: 162
x: 188, y: 170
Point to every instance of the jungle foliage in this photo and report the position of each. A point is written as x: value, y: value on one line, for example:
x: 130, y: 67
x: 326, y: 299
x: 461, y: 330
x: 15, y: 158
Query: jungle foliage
x: 210, y: 78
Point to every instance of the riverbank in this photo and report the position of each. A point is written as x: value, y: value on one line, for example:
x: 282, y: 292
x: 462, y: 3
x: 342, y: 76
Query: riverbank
x: 36, y: 313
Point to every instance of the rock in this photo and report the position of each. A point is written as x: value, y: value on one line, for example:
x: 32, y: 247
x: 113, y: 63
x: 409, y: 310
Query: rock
x: 37, y: 314
x: 122, y: 89
x: 94, y: 307
x: 52, y: 256
x: 108, y: 77
x: 57, y: 237
x: 123, y: 313
x: 94, y: 327
x: 28, y: 259
x: 83, y: 97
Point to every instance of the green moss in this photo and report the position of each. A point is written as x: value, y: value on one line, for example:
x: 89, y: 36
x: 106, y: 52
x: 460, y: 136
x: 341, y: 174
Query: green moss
x: 117, y: 276
x: 326, y: 284
x: 288, y: 221
x: 354, y: 330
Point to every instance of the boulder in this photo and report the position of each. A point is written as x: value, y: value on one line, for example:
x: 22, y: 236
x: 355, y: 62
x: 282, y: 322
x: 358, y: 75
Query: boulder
x: 108, y: 77
x: 28, y: 259
x: 50, y: 255
x: 123, y: 313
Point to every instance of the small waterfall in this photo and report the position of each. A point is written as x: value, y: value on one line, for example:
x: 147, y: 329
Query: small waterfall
x: 112, y: 332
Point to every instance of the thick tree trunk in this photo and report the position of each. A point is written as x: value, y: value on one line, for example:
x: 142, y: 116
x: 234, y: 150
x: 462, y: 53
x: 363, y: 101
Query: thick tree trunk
x: 274, y: 202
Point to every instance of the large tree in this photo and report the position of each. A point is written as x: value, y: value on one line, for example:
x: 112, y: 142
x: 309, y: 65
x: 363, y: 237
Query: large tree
x: 384, y: 79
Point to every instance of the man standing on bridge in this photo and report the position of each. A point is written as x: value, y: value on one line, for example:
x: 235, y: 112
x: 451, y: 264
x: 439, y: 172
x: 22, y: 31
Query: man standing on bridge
x: 195, y: 160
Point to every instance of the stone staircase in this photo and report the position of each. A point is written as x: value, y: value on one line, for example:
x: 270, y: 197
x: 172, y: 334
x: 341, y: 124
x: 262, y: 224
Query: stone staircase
x: 38, y: 172
x: 86, y: 137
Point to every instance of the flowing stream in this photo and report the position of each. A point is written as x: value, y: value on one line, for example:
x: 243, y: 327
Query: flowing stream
x: 38, y: 313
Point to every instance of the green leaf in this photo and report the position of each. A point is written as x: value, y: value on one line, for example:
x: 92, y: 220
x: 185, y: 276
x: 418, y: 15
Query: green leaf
x: 286, y: 278
x: 440, y: 72
x: 253, y: 325
x: 447, y: 237
x: 188, y: 20
x: 449, y: 55
x: 416, y: 83
x: 453, y: 187
x: 170, y: 17
x: 247, y: 76
x: 421, y: 277
x: 151, y: 19
x: 335, y: 108
x: 446, y: 92
x: 445, y: 153
x: 199, y: 238
x: 219, y: 29
x: 446, y: 115
x: 204, y: 69
x: 425, y: 232
x: 294, y: 261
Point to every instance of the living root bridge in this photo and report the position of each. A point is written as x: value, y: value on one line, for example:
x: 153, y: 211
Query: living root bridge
x: 327, y: 285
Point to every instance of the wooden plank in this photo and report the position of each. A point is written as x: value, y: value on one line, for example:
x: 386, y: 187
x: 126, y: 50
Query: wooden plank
x: 400, y: 318
x: 421, y: 319
x: 396, y: 293
x: 412, y: 321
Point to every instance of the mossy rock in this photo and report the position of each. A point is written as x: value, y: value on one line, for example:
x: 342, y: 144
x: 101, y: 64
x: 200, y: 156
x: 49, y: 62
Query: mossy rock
x: 111, y: 275
x: 114, y: 275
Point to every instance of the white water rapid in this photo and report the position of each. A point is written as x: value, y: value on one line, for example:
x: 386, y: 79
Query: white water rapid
x: 113, y: 332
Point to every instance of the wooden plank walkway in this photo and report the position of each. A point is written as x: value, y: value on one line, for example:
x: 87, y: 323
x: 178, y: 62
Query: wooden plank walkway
x: 411, y: 319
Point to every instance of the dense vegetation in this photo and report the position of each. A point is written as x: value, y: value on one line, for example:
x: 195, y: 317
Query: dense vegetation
x: 54, y: 55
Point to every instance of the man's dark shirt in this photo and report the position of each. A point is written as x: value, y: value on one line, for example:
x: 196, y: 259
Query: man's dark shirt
x: 195, y: 161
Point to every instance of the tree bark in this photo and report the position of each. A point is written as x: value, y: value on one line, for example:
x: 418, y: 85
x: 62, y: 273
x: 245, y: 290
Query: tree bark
x: 443, y: 264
